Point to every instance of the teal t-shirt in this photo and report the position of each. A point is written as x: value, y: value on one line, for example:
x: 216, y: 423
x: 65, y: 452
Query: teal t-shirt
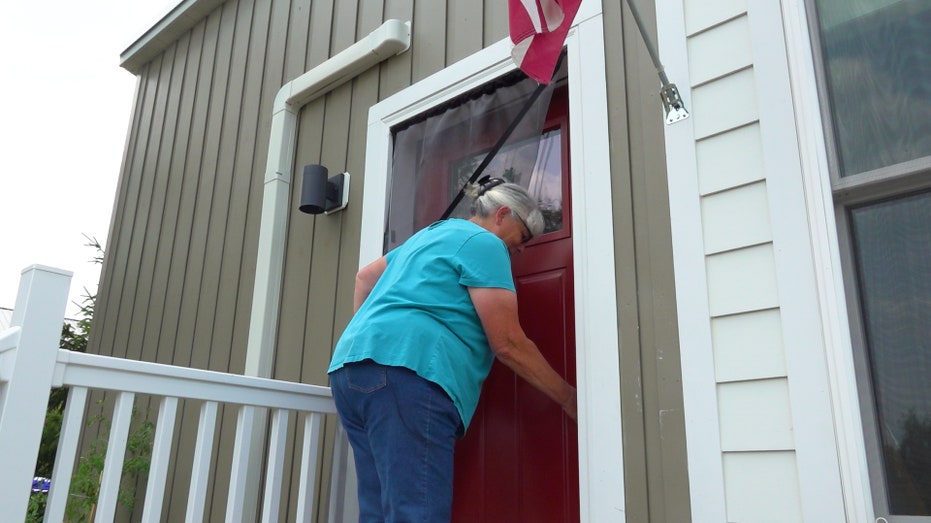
x: 419, y: 314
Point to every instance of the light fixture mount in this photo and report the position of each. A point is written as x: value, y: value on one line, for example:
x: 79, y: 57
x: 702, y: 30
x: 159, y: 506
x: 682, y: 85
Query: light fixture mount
x: 321, y: 193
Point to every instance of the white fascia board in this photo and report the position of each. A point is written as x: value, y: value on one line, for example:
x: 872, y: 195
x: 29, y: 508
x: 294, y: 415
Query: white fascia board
x: 176, y: 21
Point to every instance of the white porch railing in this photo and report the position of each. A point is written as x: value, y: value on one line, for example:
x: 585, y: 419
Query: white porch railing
x: 31, y: 364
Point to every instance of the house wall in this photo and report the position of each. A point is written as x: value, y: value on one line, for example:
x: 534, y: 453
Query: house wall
x: 177, y: 279
x: 761, y: 437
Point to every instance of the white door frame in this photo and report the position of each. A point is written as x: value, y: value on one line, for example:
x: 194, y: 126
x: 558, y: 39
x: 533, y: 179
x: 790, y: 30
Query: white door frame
x: 601, y: 471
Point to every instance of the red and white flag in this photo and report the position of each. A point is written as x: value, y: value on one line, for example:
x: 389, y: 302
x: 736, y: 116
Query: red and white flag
x: 538, y: 30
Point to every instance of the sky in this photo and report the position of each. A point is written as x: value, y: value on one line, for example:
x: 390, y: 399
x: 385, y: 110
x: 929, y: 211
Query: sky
x: 65, y: 107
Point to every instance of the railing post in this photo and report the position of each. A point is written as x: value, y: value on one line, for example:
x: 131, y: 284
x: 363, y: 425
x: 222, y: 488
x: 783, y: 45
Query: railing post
x: 39, y: 312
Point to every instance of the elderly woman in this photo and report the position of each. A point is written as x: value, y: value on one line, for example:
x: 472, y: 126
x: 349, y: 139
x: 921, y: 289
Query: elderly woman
x: 430, y: 318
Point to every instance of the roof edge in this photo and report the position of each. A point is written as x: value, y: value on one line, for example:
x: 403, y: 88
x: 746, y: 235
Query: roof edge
x: 165, y: 32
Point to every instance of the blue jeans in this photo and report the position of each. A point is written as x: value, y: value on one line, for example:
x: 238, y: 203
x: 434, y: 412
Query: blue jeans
x: 403, y: 431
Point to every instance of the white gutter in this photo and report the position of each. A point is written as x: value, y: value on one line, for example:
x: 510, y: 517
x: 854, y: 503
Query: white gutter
x: 391, y: 38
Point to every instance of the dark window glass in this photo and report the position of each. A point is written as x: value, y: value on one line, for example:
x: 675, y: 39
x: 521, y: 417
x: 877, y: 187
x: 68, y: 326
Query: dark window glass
x: 877, y: 56
x: 893, y: 260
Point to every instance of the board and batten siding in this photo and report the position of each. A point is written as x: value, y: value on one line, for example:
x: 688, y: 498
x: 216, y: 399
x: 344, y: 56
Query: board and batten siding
x: 758, y: 415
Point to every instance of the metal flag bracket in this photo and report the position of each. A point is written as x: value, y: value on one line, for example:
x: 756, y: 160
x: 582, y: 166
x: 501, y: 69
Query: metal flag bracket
x: 672, y: 103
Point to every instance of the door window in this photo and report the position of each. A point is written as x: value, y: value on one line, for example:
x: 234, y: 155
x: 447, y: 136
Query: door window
x: 435, y: 154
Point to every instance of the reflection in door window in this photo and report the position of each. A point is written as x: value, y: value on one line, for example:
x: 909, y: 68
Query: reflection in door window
x: 535, y: 165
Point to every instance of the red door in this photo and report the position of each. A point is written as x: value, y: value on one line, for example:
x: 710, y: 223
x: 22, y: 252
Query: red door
x: 518, y: 461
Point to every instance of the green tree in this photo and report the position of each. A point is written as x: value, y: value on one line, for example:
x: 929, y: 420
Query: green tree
x: 73, y: 337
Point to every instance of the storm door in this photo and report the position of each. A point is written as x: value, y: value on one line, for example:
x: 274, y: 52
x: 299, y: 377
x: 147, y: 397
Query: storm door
x: 519, y: 459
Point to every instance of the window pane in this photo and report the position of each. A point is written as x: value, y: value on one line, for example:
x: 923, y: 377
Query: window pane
x: 435, y: 154
x: 877, y: 56
x: 893, y: 258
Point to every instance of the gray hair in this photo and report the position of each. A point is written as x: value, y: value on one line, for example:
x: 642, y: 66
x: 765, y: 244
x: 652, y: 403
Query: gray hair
x: 492, y: 194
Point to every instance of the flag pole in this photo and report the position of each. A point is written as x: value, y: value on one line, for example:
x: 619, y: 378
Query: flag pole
x: 668, y: 92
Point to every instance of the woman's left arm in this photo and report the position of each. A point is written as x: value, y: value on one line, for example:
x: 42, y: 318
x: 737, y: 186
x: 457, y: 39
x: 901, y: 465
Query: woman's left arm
x: 366, y: 279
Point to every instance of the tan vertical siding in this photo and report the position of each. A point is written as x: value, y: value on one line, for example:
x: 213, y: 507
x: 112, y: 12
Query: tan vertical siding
x: 464, y: 22
x: 428, y: 45
x: 656, y: 474
x: 396, y: 74
x: 186, y: 154
x: 496, y: 21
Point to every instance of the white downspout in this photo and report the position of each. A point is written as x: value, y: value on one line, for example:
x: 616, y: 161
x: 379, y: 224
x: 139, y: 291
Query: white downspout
x: 391, y: 38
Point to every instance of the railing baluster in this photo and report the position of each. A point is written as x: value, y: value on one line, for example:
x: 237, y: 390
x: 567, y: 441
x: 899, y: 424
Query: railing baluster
x: 200, y: 471
x: 306, y: 492
x: 158, y: 467
x: 237, y: 490
x: 275, y: 467
x: 71, y: 425
x: 116, y: 453
x: 339, y: 473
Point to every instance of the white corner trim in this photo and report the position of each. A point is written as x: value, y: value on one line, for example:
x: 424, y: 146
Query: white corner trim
x: 815, y: 441
x: 699, y: 393
x: 601, y: 466
x: 825, y: 252
x: 601, y: 461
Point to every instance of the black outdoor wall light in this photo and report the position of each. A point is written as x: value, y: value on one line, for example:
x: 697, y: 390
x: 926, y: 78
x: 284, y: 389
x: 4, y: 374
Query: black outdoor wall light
x: 321, y: 193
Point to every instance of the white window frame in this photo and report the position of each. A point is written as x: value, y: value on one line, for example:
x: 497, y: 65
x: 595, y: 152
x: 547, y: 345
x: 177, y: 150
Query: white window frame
x: 601, y: 470
x: 825, y: 246
x: 832, y: 239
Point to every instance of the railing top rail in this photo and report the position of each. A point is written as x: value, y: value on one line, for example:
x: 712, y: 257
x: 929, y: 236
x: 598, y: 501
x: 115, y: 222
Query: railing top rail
x: 119, y: 374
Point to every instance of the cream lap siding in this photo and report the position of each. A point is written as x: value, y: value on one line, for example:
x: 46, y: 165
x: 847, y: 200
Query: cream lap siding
x: 762, y: 487
x: 729, y: 159
x: 757, y: 445
x: 748, y: 344
x: 726, y: 103
x: 710, y: 43
x: 742, y: 280
x: 722, y: 232
x: 702, y: 14
x: 755, y: 415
